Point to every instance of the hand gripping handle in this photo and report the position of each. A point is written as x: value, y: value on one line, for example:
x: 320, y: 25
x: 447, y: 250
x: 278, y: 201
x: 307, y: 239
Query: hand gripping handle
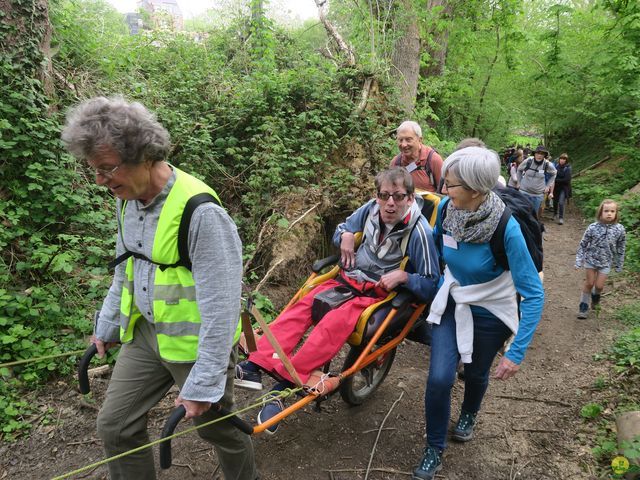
x: 178, y: 414
x: 83, y: 366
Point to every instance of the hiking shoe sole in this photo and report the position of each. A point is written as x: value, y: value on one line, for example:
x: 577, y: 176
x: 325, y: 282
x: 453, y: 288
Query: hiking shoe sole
x: 247, y: 384
x: 460, y: 437
x: 414, y: 476
x: 583, y: 315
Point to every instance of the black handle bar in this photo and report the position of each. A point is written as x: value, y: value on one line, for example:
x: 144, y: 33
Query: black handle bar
x: 178, y: 414
x: 83, y: 366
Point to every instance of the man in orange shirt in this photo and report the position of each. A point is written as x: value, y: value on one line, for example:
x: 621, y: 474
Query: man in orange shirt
x: 422, y: 161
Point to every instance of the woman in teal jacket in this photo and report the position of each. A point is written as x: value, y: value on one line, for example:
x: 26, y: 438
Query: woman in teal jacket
x: 475, y: 310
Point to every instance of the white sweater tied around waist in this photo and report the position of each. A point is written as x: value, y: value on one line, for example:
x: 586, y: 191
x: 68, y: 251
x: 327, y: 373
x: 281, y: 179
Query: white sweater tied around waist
x: 498, y: 296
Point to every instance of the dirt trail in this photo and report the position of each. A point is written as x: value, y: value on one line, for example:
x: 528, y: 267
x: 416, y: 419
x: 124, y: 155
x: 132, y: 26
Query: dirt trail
x: 529, y: 426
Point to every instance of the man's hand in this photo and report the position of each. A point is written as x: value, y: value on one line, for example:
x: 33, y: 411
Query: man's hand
x: 506, y: 369
x: 347, y: 250
x: 391, y: 280
x: 193, y: 408
x: 101, y: 346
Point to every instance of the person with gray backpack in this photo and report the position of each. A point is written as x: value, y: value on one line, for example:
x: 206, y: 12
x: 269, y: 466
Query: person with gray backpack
x: 536, y: 176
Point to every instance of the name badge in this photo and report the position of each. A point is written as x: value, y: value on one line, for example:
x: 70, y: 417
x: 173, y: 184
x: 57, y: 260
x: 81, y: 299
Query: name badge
x: 449, y: 241
x: 411, y: 167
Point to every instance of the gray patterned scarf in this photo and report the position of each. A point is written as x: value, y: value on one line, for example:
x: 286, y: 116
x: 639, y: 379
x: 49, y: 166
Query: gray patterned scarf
x: 474, y: 227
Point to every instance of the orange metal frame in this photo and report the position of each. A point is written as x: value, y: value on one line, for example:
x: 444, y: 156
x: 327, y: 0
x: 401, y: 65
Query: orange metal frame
x: 367, y: 357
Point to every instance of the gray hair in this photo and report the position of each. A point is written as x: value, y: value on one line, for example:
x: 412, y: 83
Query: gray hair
x: 393, y: 176
x: 470, y: 142
x: 412, y: 125
x: 477, y: 168
x: 129, y: 129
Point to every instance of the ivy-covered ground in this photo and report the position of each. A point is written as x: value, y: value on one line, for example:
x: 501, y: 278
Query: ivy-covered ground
x: 542, y: 424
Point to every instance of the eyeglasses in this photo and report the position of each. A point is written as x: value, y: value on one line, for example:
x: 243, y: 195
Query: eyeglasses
x: 107, y: 172
x: 449, y: 187
x: 397, y: 196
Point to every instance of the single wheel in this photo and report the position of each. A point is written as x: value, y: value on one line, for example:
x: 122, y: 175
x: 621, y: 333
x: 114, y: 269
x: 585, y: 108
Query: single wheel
x: 358, y: 387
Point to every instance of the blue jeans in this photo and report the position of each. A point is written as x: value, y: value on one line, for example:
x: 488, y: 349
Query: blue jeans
x: 489, y: 335
x: 535, y: 199
x: 559, y: 200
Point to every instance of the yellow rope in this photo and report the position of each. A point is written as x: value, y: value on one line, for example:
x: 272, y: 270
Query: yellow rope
x: 279, y: 394
x: 38, y: 359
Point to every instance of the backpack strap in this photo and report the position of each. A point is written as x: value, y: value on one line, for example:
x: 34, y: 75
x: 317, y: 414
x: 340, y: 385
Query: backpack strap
x: 497, y: 240
x: 397, y: 162
x: 183, y: 235
x: 183, y: 231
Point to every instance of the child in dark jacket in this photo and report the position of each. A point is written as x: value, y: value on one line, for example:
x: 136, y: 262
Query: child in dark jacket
x: 561, y: 188
x: 601, y: 248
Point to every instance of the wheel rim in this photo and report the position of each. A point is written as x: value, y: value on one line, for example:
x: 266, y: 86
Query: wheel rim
x: 369, y: 378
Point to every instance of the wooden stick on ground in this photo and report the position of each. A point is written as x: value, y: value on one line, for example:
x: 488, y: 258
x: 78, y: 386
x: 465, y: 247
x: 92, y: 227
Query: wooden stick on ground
x: 366, y: 475
x: 276, y: 346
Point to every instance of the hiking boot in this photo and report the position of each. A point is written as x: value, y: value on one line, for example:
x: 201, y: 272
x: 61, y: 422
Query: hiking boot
x: 583, y: 310
x: 464, y: 429
x: 246, y: 378
x: 595, y: 300
x: 429, y: 465
x: 561, y: 221
x: 271, y: 409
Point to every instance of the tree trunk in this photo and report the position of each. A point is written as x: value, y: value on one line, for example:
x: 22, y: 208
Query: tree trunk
x: 486, y: 83
x: 30, y: 21
x: 438, y: 47
x: 405, y: 60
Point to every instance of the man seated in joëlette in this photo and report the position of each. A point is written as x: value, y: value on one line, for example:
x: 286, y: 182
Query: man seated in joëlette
x: 372, y: 272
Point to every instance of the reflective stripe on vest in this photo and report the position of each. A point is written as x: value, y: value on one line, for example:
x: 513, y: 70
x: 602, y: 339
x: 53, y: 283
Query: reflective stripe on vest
x: 175, y: 311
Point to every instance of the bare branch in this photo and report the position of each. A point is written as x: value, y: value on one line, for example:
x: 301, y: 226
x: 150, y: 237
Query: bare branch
x: 333, y: 33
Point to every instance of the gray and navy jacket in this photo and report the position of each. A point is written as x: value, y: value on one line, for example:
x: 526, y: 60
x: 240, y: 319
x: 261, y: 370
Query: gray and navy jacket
x: 602, y: 246
x: 380, y: 254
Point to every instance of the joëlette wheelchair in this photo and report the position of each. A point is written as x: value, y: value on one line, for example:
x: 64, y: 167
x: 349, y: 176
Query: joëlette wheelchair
x: 372, y: 346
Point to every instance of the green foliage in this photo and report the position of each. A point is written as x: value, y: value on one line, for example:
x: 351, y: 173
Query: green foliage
x: 625, y: 352
x: 628, y: 314
x: 591, y: 410
x: 52, y: 247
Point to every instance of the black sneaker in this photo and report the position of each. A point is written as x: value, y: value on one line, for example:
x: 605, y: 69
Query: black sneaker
x: 246, y: 378
x: 430, y: 464
x: 464, y: 429
x: 583, y: 311
x: 271, y: 409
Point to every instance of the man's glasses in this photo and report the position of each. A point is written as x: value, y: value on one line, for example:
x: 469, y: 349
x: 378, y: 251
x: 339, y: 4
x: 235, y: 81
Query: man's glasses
x: 107, y: 172
x: 397, y: 196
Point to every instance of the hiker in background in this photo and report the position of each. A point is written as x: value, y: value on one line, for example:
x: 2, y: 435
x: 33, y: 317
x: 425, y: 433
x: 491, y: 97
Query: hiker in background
x: 393, y: 227
x: 422, y: 161
x: 531, y: 176
x: 527, y: 150
x: 561, y: 188
x: 475, y: 310
x: 178, y: 324
x: 601, y: 248
x: 473, y: 142
x: 513, y: 169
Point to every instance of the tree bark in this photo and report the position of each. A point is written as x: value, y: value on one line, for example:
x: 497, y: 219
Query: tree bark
x: 405, y: 60
x: 437, y: 48
x: 333, y: 33
x: 31, y: 22
x: 486, y: 84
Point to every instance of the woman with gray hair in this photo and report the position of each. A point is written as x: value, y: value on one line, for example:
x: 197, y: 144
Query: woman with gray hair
x: 176, y: 317
x: 475, y: 310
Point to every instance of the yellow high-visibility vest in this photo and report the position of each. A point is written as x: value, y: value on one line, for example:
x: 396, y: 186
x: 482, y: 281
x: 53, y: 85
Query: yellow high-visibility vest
x: 175, y: 311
